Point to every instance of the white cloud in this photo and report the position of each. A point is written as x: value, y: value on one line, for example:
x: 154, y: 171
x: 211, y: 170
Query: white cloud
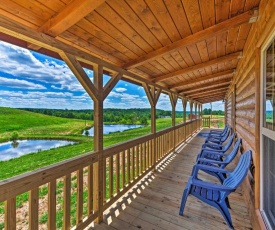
x: 22, y: 63
x: 120, y: 90
x: 16, y: 83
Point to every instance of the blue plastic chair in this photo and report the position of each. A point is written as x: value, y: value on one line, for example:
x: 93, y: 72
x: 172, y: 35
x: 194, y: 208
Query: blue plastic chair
x: 213, y: 146
x: 218, y: 139
x: 219, y: 160
x: 218, y: 132
x: 215, y: 194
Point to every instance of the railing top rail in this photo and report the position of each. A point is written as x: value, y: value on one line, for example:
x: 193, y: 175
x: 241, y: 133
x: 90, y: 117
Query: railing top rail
x: 22, y: 183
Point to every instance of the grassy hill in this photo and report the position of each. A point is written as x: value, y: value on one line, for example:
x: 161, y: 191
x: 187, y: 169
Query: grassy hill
x: 29, y: 124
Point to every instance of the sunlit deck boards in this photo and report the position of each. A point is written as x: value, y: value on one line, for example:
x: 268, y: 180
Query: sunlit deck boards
x: 154, y: 203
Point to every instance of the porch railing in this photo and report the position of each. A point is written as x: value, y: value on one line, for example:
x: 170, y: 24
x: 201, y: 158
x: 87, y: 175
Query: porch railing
x: 206, y: 122
x: 68, y: 187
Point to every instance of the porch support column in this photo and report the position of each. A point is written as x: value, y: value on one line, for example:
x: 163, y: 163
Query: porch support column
x: 225, y: 111
x: 184, y: 103
x: 153, y: 94
x: 191, y: 109
x: 98, y: 93
x: 173, y: 100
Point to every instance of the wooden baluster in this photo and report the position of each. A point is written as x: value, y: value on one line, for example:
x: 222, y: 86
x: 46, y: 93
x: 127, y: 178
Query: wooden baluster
x: 144, y: 156
x: 137, y: 159
x: 117, y: 172
x: 67, y: 202
x: 111, y: 176
x: 79, y: 207
x: 133, y: 162
x: 33, y: 209
x: 52, y: 205
x: 90, y: 189
x: 104, y: 180
x: 10, y: 214
x: 128, y: 166
x: 123, y: 169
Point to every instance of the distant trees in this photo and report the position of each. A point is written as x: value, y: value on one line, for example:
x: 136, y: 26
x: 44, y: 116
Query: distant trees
x: 214, y: 112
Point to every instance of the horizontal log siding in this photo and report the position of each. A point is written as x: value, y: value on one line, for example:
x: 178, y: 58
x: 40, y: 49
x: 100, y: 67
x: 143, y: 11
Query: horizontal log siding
x: 246, y: 97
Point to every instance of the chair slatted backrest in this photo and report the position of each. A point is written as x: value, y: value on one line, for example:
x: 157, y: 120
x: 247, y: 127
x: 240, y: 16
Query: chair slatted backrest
x: 229, y: 143
x: 236, y: 177
x: 223, y: 139
x: 234, y: 151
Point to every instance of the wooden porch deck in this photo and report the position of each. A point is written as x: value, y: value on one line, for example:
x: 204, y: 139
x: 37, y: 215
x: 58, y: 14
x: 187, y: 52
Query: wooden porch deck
x: 154, y: 202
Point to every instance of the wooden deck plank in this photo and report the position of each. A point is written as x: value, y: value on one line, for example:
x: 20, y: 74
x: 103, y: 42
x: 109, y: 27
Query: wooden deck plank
x: 154, y: 202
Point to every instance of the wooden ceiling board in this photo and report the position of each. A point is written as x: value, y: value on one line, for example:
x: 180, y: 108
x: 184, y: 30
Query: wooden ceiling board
x: 192, y: 10
x: 177, y: 56
x: 194, y: 53
x: 125, y: 12
x: 85, y: 36
x: 242, y: 36
x: 118, y: 22
x: 100, y: 22
x: 207, y: 13
x: 85, y: 46
x: 222, y: 10
x: 179, y: 17
x: 163, y: 16
x: 89, y: 31
x: 237, y: 7
x: 35, y: 8
x: 148, y: 18
x: 54, y: 5
x: 15, y: 11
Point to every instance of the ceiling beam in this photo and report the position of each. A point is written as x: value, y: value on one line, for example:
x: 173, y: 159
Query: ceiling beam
x: 70, y: 15
x: 204, y: 78
x: 194, y: 38
x: 67, y: 17
x: 210, y: 95
x: 202, y: 65
x: 212, y: 99
x: 207, y: 86
x: 207, y: 92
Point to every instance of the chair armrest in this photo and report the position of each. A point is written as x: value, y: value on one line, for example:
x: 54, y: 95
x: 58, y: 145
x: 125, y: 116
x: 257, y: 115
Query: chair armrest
x: 211, y: 161
x: 212, y: 186
x: 212, y: 146
x: 198, y: 167
x: 212, y: 150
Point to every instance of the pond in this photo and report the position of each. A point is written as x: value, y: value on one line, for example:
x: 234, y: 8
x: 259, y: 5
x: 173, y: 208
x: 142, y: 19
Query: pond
x: 113, y: 128
x: 9, y: 150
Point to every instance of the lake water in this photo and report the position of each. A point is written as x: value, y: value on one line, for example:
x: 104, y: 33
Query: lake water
x: 9, y: 150
x: 113, y: 128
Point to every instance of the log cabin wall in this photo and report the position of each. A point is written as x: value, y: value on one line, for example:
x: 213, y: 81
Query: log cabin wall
x: 247, y: 103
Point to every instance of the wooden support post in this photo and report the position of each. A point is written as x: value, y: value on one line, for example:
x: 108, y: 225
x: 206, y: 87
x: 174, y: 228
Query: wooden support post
x: 225, y: 111
x: 173, y: 100
x: 184, y: 103
x: 191, y: 110
x: 98, y: 93
x: 98, y: 143
x: 153, y: 96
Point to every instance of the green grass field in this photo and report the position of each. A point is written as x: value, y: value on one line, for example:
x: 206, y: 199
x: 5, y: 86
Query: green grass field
x: 33, y: 125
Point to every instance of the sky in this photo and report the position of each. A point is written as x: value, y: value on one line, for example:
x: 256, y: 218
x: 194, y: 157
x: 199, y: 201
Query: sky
x: 32, y: 80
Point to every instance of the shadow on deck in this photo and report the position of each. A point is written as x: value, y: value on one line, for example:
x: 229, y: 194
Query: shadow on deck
x: 154, y: 202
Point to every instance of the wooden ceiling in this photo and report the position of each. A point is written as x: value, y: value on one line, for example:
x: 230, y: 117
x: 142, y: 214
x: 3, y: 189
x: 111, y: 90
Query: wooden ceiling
x: 188, y: 46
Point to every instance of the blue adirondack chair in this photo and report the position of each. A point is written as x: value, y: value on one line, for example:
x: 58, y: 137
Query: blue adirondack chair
x: 213, y: 146
x: 215, y: 194
x: 218, y: 140
x: 218, y: 132
x: 219, y: 160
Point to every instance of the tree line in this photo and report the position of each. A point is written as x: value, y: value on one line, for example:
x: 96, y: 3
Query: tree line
x: 115, y: 116
x: 111, y: 116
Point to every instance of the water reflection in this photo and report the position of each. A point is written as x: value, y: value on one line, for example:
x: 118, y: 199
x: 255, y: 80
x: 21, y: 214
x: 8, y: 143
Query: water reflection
x: 113, y: 128
x: 9, y: 150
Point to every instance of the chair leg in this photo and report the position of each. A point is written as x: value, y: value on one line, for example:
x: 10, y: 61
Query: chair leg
x: 183, y: 200
x: 227, y: 203
x: 226, y: 214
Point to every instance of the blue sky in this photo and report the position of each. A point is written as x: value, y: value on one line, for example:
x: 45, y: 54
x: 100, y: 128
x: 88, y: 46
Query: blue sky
x: 29, y: 79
